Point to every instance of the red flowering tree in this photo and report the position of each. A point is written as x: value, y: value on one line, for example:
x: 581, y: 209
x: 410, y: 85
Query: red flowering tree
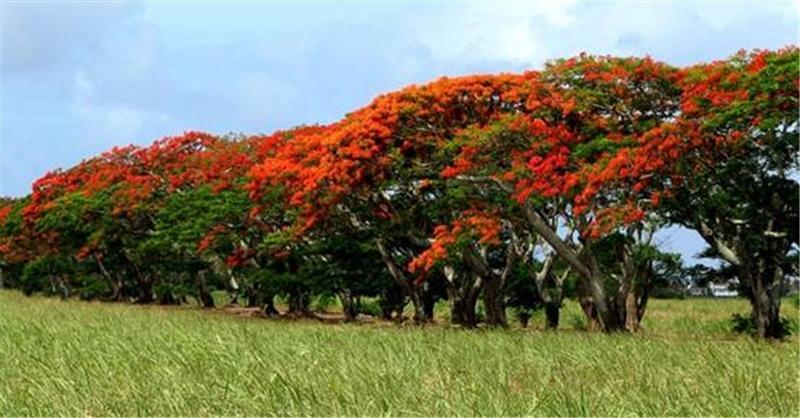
x: 730, y: 170
x: 378, y: 168
x: 462, y: 180
x: 559, y: 157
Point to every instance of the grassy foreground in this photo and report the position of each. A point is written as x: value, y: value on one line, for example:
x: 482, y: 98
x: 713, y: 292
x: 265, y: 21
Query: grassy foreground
x: 75, y: 358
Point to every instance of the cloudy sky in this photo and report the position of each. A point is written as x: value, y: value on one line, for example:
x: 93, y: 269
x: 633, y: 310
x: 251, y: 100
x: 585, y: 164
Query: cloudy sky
x: 81, y: 77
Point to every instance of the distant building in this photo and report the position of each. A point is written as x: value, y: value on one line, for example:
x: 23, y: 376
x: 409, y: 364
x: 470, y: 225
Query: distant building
x: 722, y: 291
x: 725, y: 290
x: 696, y: 291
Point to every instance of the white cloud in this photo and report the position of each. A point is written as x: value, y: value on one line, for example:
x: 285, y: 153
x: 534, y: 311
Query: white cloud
x: 528, y: 33
x: 105, y: 122
x: 492, y: 31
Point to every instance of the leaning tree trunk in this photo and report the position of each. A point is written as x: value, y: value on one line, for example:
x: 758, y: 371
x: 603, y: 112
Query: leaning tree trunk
x: 594, y: 300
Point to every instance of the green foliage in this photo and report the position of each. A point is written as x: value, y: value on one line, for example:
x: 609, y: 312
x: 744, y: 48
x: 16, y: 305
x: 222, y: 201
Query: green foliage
x: 371, y: 308
x: 522, y: 296
x: 794, y: 300
x: 48, y: 275
x: 91, y: 286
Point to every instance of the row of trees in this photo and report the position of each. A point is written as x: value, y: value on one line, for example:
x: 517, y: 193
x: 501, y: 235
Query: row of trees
x: 503, y: 188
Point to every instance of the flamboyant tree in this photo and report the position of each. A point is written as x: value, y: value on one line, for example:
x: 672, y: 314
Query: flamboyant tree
x: 467, y: 182
x: 554, y: 156
x: 731, y: 174
x: 375, y: 168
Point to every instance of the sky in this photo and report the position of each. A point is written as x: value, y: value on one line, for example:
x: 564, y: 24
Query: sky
x: 81, y: 77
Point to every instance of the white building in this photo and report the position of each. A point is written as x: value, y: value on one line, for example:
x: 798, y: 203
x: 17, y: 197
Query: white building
x: 722, y: 291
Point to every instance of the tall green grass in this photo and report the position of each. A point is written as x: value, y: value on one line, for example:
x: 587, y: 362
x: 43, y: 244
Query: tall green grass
x: 74, y: 358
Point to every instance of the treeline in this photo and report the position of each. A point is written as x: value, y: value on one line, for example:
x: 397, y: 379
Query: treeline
x: 516, y: 190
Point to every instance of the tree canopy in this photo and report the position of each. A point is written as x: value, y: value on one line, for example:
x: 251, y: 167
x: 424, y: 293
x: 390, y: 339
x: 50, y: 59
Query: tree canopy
x: 483, y: 185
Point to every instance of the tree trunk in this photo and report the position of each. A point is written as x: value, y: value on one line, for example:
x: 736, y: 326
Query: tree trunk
x: 493, y: 283
x: 203, y: 294
x: 386, y: 312
x: 588, y: 307
x: 494, y: 304
x: 268, y: 307
x: 419, y: 308
x: 551, y: 291
x: 428, y: 305
x: 63, y: 286
x: 298, y: 303
x: 552, y: 312
x: 114, y: 280
x: 766, y: 303
x: 254, y: 298
x: 462, y: 310
x: 408, y: 286
x: 168, y: 299
x: 145, y: 292
x: 462, y: 295
x: 759, y: 270
x: 586, y: 267
x: 116, y: 288
x: 607, y: 311
x: 349, y: 305
x: 205, y: 298
x: 631, y: 312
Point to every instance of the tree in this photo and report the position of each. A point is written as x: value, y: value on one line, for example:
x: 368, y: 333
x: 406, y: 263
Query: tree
x: 738, y: 191
x: 559, y: 156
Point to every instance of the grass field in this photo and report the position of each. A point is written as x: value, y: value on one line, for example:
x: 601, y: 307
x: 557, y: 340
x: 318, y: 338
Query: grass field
x: 76, y: 358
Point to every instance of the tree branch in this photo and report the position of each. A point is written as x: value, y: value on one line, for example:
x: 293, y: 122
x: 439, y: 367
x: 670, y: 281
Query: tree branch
x: 724, y: 250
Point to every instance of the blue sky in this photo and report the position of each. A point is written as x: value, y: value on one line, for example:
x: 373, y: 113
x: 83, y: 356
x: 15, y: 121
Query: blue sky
x: 81, y: 77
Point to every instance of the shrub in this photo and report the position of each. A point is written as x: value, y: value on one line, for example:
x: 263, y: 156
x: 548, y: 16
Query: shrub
x: 667, y: 293
x: 370, y: 308
x: 746, y: 325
